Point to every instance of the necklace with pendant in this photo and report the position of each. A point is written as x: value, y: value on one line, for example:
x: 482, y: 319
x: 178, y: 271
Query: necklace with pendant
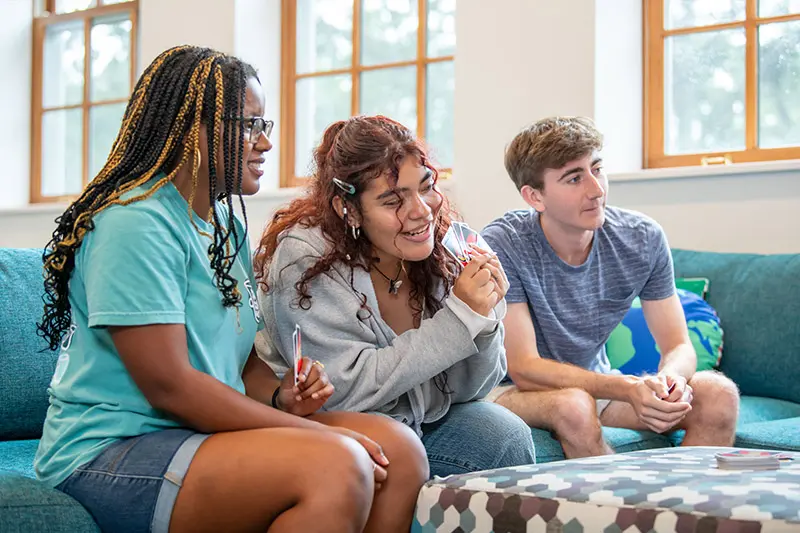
x: 394, y: 283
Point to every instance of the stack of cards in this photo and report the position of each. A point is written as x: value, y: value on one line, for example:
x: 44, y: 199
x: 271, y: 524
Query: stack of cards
x: 748, y: 460
x: 297, y: 352
x: 458, y: 239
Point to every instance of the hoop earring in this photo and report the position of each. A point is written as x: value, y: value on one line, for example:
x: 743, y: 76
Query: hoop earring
x: 354, y: 230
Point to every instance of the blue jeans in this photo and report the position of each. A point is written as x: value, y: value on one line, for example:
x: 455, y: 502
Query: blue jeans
x: 477, y: 436
x: 132, y: 485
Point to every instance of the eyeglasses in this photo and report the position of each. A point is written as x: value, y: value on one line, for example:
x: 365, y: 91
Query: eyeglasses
x: 255, y: 126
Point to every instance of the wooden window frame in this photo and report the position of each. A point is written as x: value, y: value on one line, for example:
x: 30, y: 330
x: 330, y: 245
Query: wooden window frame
x: 289, y: 78
x: 40, y: 24
x: 654, y: 155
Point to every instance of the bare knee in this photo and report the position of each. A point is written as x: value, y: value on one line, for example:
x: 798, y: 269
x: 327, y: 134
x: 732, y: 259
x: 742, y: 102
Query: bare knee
x: 716, y: 399
x: 575, y: 414
x: 344, y: 481
x: 408, y: 459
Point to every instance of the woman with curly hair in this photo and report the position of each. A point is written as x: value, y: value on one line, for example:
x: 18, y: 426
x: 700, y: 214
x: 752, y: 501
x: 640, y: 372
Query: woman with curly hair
x: 162, y: 417
x: 401, y: 328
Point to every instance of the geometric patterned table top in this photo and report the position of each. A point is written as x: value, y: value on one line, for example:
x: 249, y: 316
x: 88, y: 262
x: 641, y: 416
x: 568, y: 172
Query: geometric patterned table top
x: 667, y: 489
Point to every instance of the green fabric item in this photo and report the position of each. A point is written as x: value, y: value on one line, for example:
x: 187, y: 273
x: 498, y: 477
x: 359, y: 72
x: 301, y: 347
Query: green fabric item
x: 775, y: 435
x: 698, y: 286
x: 30, y: 506
x: 757, y: 298
x: 25, y: 363
x: 632, y: 349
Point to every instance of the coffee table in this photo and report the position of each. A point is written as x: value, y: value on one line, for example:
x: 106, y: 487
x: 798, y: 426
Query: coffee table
x: 660, y: 490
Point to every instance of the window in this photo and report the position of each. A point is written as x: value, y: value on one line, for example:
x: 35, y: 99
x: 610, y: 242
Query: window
x: 83, y: 73
x: 347, y: 57
x: 722, y: 81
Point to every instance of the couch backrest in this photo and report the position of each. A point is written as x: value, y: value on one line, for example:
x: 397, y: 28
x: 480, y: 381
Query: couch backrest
x: 26, y: 365
x: 757, y: 298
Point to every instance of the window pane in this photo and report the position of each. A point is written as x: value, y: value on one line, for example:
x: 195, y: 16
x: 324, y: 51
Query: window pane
x: 63, y: 64
x: 320, y: 101
x: 111, y: 57
x: 68, y: 6
x: 324, y: 35
x: 389, y: 31
x: 779, y: 84
x: 391, y: 92
x: 104, y: 123
x: 62, y: 161
x: 774, y: 8
x: 704, y: 92
x: 439, y: 112
x: 688, y: 13
x: 441, y: 27
x: 107, y: 2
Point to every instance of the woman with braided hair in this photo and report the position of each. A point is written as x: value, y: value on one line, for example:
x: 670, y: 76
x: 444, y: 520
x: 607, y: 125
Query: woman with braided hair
x: 162, y: 417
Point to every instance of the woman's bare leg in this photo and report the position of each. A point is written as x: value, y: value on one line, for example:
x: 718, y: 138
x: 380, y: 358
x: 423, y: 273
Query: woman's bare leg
x: 393, y: 506
x: 281, y: 479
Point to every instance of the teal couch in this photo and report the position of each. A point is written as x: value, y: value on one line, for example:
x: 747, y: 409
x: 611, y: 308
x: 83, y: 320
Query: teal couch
x: 757, y: 298
x: 27, y: 505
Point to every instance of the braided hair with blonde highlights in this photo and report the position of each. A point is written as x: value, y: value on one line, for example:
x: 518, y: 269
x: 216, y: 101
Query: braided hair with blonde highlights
x: 184, y: 88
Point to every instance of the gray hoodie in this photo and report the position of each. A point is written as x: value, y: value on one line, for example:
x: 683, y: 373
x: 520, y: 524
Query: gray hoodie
x: 372, y: 368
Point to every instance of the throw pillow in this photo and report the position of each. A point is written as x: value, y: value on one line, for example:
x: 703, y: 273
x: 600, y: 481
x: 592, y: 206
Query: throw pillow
x: 632, y: 349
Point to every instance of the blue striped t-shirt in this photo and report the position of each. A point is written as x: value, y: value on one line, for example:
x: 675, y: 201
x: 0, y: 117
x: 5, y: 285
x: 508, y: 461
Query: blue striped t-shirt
x: 575, y: 308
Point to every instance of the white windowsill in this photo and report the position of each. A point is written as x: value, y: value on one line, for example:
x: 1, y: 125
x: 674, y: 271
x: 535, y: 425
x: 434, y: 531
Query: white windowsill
x: 767, y: 167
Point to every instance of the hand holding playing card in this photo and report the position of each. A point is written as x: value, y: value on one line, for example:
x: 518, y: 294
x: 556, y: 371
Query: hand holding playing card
x: 475, y: 285
x: 312, y: 390
x: 493, y: 265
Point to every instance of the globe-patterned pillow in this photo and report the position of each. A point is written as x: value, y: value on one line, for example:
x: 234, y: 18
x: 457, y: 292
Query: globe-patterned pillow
x: 632, y: 349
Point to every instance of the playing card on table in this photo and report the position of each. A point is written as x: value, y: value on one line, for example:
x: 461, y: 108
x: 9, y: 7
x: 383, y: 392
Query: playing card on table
x: 297, y: 352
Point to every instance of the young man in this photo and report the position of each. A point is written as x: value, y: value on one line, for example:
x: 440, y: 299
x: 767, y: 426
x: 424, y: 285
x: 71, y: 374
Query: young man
x: 575, y: 265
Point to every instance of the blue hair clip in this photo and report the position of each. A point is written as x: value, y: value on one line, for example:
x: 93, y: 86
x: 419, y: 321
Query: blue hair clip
x: 346, y: 187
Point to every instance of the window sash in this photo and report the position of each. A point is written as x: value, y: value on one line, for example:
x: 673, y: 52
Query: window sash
x: 654, y: 145
x: 40, y: 25
x: 290, y: 77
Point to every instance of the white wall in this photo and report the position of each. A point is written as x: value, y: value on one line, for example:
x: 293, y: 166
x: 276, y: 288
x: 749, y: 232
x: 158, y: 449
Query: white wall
x: 258, y: 41
x: 535, y: 58
x: 515, y: 64
x: 735, y: 213
x: 15, y: 101
x: 167, y: 23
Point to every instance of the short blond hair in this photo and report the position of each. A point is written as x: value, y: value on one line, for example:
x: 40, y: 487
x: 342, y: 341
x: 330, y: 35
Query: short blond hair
x: 550, y: 143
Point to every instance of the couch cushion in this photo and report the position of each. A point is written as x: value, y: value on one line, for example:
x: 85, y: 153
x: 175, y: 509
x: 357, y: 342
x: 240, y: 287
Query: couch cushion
x: 757, y: 298
x: 621, y: 440
x: 774, y: 435
x: 27, y: 505
x: 25, y: 370
x: 758, y: 409
x: 17, y: 456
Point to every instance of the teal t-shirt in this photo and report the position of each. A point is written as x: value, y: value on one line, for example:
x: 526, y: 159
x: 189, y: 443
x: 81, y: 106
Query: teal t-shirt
x: 144, y: 263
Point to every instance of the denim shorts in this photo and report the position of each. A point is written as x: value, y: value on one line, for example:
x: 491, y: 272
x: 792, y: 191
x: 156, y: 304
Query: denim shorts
x: 133, y: 484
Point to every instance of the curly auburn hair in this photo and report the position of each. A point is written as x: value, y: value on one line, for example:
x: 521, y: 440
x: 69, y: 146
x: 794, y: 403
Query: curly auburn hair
x: 357, y: 151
